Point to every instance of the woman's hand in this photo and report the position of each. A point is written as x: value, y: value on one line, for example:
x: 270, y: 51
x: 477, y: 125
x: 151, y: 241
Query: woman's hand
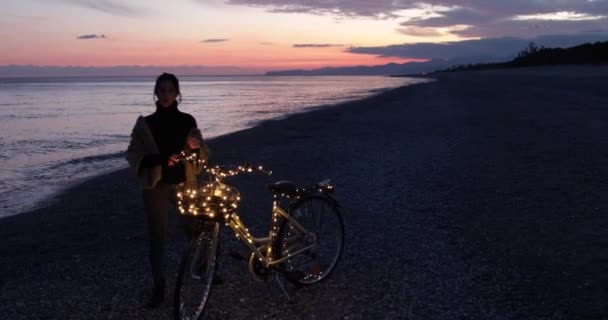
x: 195, y: 139
x: 193, y: 142
x: 172, y: 160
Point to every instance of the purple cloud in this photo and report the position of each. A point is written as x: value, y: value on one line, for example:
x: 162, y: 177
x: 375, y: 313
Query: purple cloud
x: 91, y: 36
x: 376, y: 8
x: 479, y: 18
x: 390, y: 8
x: 482, y: 50
x: 457, y: 16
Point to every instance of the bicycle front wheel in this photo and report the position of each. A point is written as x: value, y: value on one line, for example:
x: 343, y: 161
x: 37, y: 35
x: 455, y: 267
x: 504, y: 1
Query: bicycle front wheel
x: 313, y: 247
x: 195, y: 274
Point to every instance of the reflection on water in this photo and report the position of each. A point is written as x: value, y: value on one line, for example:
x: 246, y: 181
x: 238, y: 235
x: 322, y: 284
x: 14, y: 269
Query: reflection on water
x: 54, y: 131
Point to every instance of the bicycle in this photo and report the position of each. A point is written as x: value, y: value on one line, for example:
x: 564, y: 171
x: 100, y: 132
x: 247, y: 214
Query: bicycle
x: 304, y: 241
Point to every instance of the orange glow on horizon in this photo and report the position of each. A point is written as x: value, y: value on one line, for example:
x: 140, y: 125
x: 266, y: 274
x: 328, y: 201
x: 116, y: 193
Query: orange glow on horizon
x: 266, y: 57
x: 257, y: 40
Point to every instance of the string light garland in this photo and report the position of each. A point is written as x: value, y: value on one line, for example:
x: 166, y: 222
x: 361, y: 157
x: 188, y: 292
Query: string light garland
x: 214, y: 199
x: 219, y: 201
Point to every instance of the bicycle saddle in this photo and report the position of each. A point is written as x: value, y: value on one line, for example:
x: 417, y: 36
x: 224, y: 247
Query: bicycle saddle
x: 283, y: 187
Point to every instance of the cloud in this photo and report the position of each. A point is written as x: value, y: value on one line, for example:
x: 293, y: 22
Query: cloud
x: 107, y: 6
x: 91, y: 36
x: 419, y: 31
x: 531, y: 28
x: 498, y: 21
x: 376, y: 8
x: 391, y: 8
x: 316, y: 45
x: 214, y: 40
x: 560, y: 16
x: 482, y: 18
x: 266, y: 43
x: 482, y: 50
x: 450, y: 17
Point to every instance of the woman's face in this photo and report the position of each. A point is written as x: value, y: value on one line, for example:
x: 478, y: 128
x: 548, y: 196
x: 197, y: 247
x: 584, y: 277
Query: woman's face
x: 166, y: 93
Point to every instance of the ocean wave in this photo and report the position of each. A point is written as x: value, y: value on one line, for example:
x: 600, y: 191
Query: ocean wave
x: 29, y: 116
x: 58, y: 147
x: 91, y: 139
x: 89, y: 159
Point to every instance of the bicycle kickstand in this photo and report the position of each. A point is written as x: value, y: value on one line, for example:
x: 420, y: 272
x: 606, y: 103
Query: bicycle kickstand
x: 283, y: 286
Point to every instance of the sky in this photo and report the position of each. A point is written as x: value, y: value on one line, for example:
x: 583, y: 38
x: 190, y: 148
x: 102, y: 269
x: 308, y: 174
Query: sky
x: 254, y: 36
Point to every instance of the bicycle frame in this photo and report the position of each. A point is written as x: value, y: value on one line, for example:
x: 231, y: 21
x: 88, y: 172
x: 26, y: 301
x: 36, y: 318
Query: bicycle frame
x: 213, y: 202
x: 259, y: 245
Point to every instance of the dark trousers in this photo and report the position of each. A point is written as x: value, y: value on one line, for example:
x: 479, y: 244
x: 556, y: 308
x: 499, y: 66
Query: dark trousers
x: 156, y: 205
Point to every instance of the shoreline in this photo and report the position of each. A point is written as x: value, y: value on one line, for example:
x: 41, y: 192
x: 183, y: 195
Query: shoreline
x: 481, y: 195
x: 153, y: 76
x: 49, y: 199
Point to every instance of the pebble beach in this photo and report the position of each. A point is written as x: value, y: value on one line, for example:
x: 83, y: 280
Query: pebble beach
x: 479, y: 195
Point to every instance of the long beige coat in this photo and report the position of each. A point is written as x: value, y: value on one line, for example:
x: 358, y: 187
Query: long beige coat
x: 142, y: 143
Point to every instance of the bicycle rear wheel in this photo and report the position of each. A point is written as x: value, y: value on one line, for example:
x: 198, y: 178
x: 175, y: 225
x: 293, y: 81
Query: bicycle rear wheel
x: 195, y: 274
x: 323, y: 236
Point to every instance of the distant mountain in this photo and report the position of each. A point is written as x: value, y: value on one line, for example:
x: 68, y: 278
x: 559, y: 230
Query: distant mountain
x: 531, y: 56
x: 386, y: 69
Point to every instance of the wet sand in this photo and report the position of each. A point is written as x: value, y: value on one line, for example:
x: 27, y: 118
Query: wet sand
x: 483, y: 195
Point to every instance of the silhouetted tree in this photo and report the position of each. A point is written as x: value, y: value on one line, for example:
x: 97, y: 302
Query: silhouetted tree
x: 533, y: 55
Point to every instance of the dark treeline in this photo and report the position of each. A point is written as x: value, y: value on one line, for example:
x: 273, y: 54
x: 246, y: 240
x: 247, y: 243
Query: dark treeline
x: 588, y: 53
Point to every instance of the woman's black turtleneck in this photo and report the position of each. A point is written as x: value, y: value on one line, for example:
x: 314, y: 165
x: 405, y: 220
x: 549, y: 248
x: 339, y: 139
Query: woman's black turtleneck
x: 170, y: 129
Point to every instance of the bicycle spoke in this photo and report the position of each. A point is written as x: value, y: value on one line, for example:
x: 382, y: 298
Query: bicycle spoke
x: 321, y: 220
x: 196, y: 275
x: 311, y: 214
x: 320, y: 224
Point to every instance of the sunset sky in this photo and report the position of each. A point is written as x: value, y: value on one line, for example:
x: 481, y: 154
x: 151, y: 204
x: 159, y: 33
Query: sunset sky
x: 261, y: 35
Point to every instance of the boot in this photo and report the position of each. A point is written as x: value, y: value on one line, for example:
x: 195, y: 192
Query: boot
x: 157, y: 297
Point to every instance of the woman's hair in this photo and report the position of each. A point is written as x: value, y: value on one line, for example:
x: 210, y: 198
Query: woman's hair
x: 171, y: 78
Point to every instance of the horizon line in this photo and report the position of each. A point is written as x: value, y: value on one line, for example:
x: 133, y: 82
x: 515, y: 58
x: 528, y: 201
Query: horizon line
x: 186, y: 75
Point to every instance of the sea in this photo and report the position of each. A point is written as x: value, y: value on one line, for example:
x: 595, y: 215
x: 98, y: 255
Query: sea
x: 55, y: 132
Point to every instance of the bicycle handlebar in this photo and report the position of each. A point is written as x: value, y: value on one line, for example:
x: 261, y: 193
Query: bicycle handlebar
x: 223, y: 170
x: 232, y: 170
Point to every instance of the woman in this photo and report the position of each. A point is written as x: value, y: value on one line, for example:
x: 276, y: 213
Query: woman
x: 156, y: 140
